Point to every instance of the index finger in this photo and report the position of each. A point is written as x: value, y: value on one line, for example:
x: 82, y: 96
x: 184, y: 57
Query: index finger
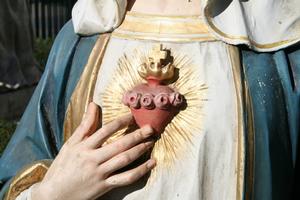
x: 88, y: 124
x: 100, y: 136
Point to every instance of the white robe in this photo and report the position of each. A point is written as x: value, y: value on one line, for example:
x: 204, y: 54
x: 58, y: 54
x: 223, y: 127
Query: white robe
x: 209, y: 165
x: 208, y: 170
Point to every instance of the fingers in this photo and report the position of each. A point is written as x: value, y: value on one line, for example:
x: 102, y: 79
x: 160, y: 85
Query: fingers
x: 124, y: 158
x: 124, y: 143
x: 99, y: 137
x: 88, y: 124
x: 129, y: 177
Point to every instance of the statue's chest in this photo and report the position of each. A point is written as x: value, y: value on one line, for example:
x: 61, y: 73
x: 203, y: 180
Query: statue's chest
x: 197, y: 139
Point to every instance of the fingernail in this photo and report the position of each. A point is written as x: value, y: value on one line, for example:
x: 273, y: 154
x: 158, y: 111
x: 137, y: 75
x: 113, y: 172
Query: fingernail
x: 148, y: 129
x: 112, y: 181
x: 151, y: 163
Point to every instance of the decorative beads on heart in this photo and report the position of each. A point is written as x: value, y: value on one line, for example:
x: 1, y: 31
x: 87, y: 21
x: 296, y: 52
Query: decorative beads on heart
x: 150, y: 101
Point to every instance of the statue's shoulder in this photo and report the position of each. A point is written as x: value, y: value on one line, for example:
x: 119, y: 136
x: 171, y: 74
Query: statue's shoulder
x: 67, y: 46
x: 67, y: 38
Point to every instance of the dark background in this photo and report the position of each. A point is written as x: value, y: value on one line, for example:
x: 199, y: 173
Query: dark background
x: 27, y: 32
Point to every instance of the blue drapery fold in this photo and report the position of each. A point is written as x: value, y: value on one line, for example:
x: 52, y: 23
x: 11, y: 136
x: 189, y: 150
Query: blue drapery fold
x: 39, y: 133
x: 273, y: 80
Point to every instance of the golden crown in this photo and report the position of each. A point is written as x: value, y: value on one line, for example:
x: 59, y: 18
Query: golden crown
x: 158, y: 65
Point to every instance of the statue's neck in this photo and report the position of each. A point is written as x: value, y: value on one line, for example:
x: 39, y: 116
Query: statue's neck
x: 166, y: 7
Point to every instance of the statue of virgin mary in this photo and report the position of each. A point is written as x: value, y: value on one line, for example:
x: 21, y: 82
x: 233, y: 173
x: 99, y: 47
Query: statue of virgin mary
x: 238, y: 67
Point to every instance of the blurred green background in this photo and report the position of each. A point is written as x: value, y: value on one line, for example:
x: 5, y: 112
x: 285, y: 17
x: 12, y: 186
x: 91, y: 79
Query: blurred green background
x: 6, y: 130
x: 41, y: 50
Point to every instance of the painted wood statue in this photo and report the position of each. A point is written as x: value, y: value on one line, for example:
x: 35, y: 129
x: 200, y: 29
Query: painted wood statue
x: 196, y: 99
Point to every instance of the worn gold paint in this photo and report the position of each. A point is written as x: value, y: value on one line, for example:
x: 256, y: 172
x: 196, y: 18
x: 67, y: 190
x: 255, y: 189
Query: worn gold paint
x: 161, y: 38
x: 249, y: 190
x: 154, y: 66
x: 163, y: 28
x: 161, y: 17
x: 84, y: 90
x: 28, y: 176
x: 233, y: 52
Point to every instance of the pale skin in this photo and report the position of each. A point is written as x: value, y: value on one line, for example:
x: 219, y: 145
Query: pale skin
x: 85, y: 169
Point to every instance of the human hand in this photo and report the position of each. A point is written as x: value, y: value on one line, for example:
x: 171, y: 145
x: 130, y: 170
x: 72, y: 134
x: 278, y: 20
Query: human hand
x: 84, y: 169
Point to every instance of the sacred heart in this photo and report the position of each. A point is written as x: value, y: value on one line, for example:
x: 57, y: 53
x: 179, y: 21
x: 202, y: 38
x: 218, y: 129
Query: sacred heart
x: 155, y: 103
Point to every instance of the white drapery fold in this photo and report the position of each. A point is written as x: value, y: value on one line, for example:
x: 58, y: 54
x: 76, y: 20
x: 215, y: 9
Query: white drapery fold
x: 97, y: 16
x: 263, y: 25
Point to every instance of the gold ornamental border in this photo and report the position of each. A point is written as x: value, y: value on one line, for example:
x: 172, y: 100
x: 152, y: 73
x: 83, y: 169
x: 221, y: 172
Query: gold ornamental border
x: 163, y: 28
x: 246, y: 131
x: 28, y: 176
x: 158, y: 17
x: 236, y: 69
x: 84, y: 90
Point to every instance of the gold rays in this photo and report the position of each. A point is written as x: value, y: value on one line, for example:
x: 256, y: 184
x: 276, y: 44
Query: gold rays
x: 125, y: 78
x: 178, y: 135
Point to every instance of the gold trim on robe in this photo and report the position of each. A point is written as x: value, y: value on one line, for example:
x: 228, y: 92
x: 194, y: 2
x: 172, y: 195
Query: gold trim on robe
x: 28, y: 176
x: 84, y: 90
x: 236, y: 68
x: 250, y: 138
x: 245, y: 176
x: 163, y: 28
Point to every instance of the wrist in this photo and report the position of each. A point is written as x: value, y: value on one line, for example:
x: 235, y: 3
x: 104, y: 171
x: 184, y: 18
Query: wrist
x: 40, y: 191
